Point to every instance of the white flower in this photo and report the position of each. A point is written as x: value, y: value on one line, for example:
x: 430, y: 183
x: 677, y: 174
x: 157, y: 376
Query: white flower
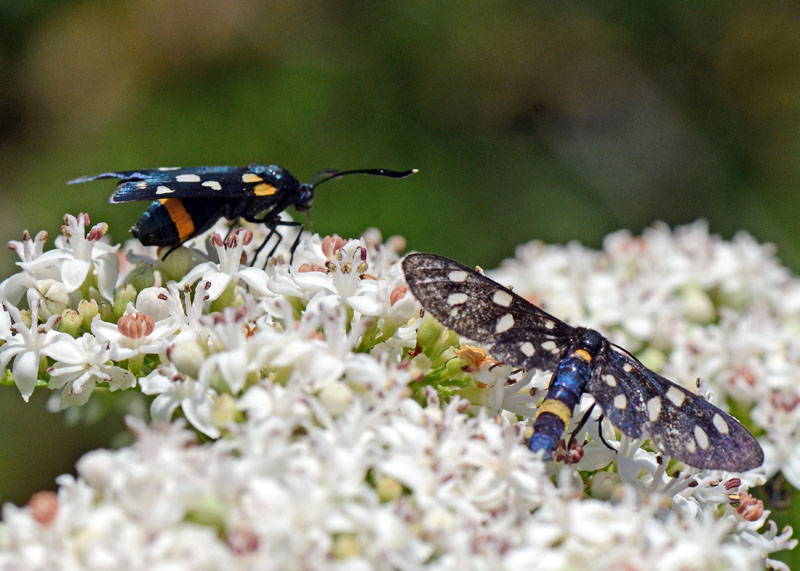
x: 187, y: 312
x: 176, y: 390
x: 135, y: 333
x: 28, y: 346
x: 13, y: 288
x: 80, y: 365
x: 229, y: 269
x: 344, y: 276
x: 233, y: 358
x: 347, y: 445
x: 77, y: 254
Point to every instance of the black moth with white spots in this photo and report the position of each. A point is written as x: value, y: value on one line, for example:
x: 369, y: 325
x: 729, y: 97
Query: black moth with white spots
x: 189, y: 200
x: 636, y: 400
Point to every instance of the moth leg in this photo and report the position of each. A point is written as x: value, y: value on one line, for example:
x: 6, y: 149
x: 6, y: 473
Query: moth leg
x: 582, y: 421
x: 600, y: 433
x: 294, y: 244
x: 264, y: 243
x: 170, y: 250
x: 272, y: 225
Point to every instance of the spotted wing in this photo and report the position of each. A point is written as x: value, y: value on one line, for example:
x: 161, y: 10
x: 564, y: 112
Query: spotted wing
x: 517, y: 332
x: 678, y: 422
x: 186, y: 182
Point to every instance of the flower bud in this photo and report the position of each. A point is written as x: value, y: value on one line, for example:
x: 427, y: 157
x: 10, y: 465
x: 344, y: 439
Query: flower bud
x: 429, y: 332
x: 697, y: 305
x: 124, y: 295
x: 225, y: 411
x: 70, y: 322
x: 336, y: 397
x: 107, y: 312
x: 389, y: 489
x: 154, y: 302
x: 345, y: 546
x: 54, y: 296
x: 44, y: 507
x: 604, y: 485
x: 208, y: 510
x: 177, y: 263
x: 87, y: 309
x: 187, y: 357
x: 142, y: 276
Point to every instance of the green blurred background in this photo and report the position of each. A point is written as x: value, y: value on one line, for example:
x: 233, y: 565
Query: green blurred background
x: 526, y: 119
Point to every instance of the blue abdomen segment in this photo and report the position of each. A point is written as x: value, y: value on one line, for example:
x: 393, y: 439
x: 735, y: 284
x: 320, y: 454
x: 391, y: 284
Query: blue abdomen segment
x: 563, y: 394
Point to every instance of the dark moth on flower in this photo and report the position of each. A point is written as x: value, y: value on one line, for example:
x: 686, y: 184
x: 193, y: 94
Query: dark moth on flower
x: 188, y: 201
x: 636, y: 400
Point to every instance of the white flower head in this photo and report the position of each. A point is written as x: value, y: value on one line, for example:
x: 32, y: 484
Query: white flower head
x: 175, y: 390
x: 28, y: 346
x: 344, y: 275
x: 357, y: 435
x: 134, y: 333
x: 13, y: 288
x: 80, y: 365
x: 78, y: 253
x: 229, y: 269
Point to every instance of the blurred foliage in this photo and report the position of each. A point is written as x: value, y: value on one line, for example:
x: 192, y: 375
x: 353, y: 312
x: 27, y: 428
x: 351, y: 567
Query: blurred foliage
x: 526, y: 119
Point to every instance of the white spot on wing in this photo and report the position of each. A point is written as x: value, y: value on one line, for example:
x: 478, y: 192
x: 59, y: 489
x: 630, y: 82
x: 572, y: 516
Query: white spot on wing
x: 627, y: 367
x: 503, y: 298
x: 549, y: 324
x: 212, y: 184
x: 654, y: 408
x: 187, y: 178
x: 504, y: 323
x: 676, y: 395
x: 549, y: 345
x: 168, y: 168
x: 527, y: 348
x: 457, y: 298
x: 610, y: 380
x: 621, y: 402
x: 457, y: 276
x: 691, y: 446
x: 720, y: 423
x: 701, y: 437
x: 251, y: 177
x: 164, y: 190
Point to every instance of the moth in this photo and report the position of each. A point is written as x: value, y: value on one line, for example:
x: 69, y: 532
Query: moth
x: 187, y: 201
x: 637, y: 401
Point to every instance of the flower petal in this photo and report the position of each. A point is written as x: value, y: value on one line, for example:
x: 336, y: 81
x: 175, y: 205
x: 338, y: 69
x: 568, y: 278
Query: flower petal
x: 25, y: 371
x: 74, y: 272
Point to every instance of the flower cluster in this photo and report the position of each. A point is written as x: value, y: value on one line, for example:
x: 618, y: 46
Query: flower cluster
x: 343, y: 429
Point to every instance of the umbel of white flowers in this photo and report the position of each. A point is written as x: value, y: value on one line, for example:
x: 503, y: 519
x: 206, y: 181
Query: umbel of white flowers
x: 342, y: 429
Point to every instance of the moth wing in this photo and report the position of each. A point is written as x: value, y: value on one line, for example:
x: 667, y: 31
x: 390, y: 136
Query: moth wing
x: 678, y: 422
x: 478, y: 308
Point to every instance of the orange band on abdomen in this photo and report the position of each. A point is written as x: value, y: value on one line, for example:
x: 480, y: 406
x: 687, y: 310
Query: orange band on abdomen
x: 179, y: 215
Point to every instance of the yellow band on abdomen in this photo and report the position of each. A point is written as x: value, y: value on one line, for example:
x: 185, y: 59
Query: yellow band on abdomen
x: 584, y: 355
x: 179, y: 215
x: 557, y: 408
